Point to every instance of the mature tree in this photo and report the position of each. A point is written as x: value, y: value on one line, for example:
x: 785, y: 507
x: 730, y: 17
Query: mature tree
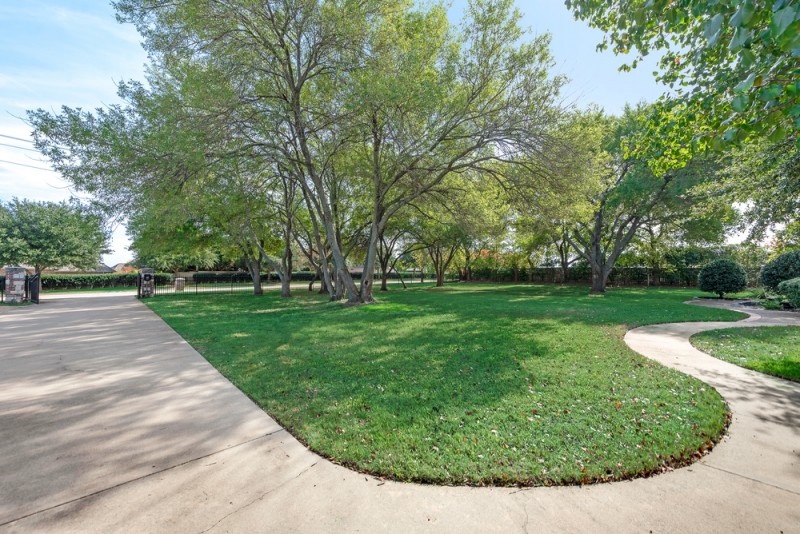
x: 733, y: 62
x: 440, y: 238
x: 632, y: 188
x: 48, y: 234
x: 168, y: 240
x: 173, y: 163
x: 321, y: 78
x: 434, y: 109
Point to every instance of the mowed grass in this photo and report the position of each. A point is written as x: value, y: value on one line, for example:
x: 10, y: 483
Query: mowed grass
x: 774, y: 350
x: 87, y: 290
x: 470, y: 384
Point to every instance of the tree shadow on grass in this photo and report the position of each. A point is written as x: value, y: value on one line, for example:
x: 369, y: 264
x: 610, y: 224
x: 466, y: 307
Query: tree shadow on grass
x: 420, y: 373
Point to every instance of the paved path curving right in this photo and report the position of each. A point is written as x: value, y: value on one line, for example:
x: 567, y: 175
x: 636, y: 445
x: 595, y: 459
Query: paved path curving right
x: 763, y: 442
x: 110, y: 422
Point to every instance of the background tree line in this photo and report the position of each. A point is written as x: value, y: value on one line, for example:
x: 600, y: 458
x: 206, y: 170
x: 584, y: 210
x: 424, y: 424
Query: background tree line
x: 333, y: 134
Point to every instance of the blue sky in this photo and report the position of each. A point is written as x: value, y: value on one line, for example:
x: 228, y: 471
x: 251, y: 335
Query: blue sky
x: 72, y: 52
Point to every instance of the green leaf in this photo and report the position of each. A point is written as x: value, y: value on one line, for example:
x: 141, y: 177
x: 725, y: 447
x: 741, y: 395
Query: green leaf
x: 794, y: 111
x: 781, y: 20
x: 745, y: 84
x: 730, y: 135
x: 740, y: 103
x: 743, y: 15
x: 740, y: 38
x: 777, y: 134
x: 713, y: 26
x: 747, y: 57
x: 771, y: 92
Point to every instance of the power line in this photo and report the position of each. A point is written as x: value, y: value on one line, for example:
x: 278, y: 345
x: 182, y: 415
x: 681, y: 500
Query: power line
x: 17, y: 138
x: 20, y: 147
x: 23, y: 165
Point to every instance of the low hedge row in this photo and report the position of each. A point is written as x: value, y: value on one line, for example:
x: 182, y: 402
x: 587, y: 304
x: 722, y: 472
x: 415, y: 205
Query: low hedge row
x: 299, y: 276
x: 622, y: 276
x: 90, y: 281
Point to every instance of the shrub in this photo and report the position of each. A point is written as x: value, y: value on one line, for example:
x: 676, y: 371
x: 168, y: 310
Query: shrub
x: 88, y: 281
x: 224, y: 277
x: 784, y: 267
x: 83, y: 281
x: 164, y: 278
x: 791, y: 289
x: 722, y: 276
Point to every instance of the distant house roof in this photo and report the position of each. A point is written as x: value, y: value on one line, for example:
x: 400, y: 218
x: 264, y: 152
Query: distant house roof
x: 101, y: 268
x: 123, y: 268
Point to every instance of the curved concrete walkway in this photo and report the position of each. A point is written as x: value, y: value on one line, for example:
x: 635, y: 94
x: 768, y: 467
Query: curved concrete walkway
x: 110, y: 422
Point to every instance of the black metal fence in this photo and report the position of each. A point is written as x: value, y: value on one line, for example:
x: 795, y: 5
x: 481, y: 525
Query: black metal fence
x: 218, y: 284
x: 242, y: 283
x: 2, y: 289
x: 582, y: 274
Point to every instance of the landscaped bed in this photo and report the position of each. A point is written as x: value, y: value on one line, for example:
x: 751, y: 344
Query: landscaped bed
x: 472, y: 384
x: 774, y: 350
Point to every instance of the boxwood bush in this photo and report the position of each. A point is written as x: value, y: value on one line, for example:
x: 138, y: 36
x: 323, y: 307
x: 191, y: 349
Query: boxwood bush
x: 722, y: 276
x: 92, y: 281
x: 791, y: 290
x: 784, y: 267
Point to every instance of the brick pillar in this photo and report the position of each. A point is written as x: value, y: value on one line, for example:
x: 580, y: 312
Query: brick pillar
x: 15, y: 284
x: 148, y: 288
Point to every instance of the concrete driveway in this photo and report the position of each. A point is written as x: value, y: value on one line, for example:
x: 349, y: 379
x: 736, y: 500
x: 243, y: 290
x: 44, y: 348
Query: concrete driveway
x: 110, y: 422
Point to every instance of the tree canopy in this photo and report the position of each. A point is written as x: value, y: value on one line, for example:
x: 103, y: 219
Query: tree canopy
x: 734, y: 62
x: 364, y: 107
x: 49, y: 234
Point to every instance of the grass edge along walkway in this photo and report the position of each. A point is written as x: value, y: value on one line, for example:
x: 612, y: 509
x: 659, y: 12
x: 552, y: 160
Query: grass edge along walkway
x: 472, y: 384
x: 773, y: 350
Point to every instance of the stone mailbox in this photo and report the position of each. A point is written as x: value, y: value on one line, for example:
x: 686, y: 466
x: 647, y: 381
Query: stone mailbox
x: 147, y: 279
x: 15, y: 284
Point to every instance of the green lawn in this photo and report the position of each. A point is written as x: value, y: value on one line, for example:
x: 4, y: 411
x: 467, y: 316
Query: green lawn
x: 774, y: 350
x: 470, y: 384
x: 87, y: 290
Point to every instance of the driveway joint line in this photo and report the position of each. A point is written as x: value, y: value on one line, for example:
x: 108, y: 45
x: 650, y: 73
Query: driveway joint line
x: 734, y: 473
x: 160, y: 471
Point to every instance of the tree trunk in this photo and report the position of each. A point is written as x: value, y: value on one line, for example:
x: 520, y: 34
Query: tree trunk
x: 254, y: 269
x: 368, y: 274
x: 598, y: 283
x: 385, y: 274
x: 286, y: 281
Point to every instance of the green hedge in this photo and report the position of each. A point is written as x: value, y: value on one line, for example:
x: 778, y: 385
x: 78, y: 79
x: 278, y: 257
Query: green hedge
x: 223, y: 278
x: 299, y: 276
x: 791, y: 289
x: 581, y: 273
x: 784, y: 267
x: 89, y: 281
